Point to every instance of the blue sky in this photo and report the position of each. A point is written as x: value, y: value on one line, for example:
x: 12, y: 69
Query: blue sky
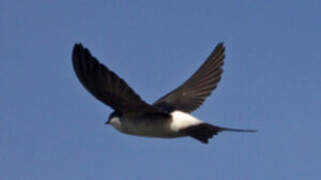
x: 52, y: 128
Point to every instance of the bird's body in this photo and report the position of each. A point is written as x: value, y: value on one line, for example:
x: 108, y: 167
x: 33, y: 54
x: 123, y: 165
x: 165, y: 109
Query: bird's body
x: 163, y: 127
x: 169, y: 116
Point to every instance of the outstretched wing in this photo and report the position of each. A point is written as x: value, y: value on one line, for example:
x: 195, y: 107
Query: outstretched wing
x: 105, y: 85
x: 193, y: 92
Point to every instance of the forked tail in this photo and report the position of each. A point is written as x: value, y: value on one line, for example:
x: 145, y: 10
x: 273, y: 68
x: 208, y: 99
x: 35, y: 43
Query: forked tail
x: 203, y: 132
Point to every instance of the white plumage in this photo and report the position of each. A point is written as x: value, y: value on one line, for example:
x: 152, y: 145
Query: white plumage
x: 182, y: 120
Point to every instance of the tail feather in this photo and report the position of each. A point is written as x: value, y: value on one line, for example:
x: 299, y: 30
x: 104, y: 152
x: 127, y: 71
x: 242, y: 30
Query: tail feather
x: 238, y: 130
x: 203, y: 132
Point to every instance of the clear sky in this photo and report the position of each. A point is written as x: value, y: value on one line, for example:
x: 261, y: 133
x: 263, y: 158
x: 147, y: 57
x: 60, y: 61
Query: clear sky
x: 52, y: 128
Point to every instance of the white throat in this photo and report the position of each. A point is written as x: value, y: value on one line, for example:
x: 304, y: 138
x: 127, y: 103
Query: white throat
x: 115, y: 121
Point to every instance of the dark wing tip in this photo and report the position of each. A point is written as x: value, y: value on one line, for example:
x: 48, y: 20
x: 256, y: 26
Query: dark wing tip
x: 79, y: 50
x: 82, y: 59
x: 221, y: 44
x: 220, y: 47
x: 77, y: 45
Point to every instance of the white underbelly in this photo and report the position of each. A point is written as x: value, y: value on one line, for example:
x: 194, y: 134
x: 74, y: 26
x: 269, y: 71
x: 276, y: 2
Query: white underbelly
x: 141, y: 129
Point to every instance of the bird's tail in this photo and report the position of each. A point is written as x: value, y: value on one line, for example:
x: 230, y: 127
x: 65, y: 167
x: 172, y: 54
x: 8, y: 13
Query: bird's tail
x: 204, y: 131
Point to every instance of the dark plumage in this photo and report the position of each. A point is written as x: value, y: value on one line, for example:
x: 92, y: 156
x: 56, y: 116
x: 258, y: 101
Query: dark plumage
x: 169, y: 116
x: 192, y: 93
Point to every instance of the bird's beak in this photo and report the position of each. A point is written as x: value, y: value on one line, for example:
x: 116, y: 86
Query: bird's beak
x: 107, y: 122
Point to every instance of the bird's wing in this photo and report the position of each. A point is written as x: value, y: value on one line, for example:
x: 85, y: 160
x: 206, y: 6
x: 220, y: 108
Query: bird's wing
x: 105, y: 85
x: 193, y: 92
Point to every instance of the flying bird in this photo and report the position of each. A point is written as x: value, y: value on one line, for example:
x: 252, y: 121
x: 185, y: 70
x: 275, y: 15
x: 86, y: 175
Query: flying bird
x: 169, y: 116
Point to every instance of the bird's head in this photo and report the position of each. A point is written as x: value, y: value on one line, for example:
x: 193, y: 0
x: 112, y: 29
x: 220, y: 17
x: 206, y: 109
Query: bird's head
x: 114, y: 119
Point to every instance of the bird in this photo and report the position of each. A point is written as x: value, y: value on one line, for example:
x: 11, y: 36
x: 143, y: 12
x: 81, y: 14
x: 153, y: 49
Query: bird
x: 168, y: 117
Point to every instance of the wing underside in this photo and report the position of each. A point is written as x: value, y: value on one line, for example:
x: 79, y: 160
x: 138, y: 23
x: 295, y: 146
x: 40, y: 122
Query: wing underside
x: 193, y: 92
x: 106, y: 86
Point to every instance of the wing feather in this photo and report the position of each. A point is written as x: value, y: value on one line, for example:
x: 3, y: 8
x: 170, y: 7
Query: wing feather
x: 193, y: 92
x: 105, y: 85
